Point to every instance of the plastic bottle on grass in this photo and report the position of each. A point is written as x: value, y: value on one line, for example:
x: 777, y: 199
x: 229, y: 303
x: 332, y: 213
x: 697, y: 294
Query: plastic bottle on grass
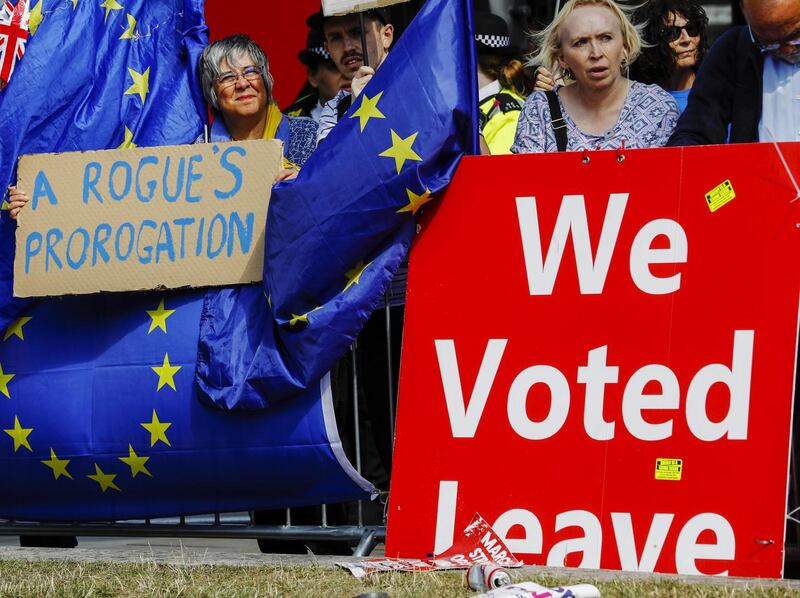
x: 529, y: 589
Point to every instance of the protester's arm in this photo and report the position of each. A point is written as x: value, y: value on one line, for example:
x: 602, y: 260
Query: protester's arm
x: 362, y: 77
x: 709, y: 111
x: 17, y: 198
x: 544, y: 80
x: 286, y: 174
x: 484, y: 147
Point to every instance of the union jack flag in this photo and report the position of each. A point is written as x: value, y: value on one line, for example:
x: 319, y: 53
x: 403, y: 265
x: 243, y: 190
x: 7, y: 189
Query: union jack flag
x: 13, y: 36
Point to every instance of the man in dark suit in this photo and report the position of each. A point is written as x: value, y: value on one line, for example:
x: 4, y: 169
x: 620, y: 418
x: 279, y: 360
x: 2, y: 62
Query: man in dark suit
x: 747, y: 88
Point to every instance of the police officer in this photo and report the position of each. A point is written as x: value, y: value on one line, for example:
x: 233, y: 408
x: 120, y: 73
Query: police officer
x: 324, y: 79
x: 500, y: 82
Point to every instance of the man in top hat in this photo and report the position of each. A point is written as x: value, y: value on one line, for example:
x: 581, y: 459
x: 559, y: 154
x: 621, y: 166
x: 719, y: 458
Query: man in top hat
x: 500, y: 82
x: 324, y: 79
x: 343, y: 41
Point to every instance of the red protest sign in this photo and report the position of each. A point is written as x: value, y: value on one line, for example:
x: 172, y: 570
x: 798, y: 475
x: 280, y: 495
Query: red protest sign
x: 599, y: 358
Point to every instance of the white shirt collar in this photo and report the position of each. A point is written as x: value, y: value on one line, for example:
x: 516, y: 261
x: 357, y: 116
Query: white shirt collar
x: 491, y: 89
x: 316, y: 111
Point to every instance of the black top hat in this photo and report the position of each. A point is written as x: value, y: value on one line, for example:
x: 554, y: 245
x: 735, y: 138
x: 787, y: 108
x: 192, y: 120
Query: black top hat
x: 491, y: 34
x: 317, y: 20
x: 314, y: 52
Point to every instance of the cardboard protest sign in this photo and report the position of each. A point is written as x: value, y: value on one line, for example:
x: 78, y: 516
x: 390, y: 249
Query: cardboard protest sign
x: 343, y: 7
x: 144, y: 218
x: 600, y: 359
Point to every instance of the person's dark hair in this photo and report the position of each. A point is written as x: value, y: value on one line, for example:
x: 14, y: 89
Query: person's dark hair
x: 508, y: 71
x: 657, y: 61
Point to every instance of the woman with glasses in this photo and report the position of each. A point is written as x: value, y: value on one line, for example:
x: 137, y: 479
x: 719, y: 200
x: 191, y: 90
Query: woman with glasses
x: 591, y: 44
x: 674, y: 32
x: 237, y: 84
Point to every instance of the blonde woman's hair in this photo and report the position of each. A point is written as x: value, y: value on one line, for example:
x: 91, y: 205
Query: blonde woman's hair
x: 548, y: 41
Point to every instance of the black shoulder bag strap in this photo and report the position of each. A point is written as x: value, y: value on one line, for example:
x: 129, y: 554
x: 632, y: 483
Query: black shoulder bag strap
x: 557, y: 121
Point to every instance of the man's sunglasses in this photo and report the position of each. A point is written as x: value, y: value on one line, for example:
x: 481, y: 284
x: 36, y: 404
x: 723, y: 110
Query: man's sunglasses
x: 692, y: 28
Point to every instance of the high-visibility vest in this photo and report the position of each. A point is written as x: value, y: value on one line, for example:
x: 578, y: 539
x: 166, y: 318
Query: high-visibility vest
x: 499, y: 114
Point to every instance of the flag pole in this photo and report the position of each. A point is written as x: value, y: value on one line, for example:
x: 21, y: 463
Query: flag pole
x: 363, y: 38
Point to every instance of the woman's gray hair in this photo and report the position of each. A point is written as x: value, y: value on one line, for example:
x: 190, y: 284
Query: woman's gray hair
x: 231, y: 49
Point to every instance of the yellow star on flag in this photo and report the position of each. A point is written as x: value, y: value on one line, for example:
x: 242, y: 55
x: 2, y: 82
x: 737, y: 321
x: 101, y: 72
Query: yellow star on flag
x: 35, y: 17
x: 127, y: 142
x: 130, y: 32
x: 298, y: 319
x: 16, y: 328
x: 136, y: 463
x: 74, y: 4
x: 141, y: 83
x: 4, y: 206
x: 354, y: 275
x: 166, y: 373
x: 415, y: 202
x: 157, y: 430
x: 59, y: 466
x: 401, y: 150
x: 110, y: 5
x: 368, y: 109
x: 106, y: 480
x: 4, y: 380
x: 304, y: 318
x: 20, y: 435
x: 159, y: 317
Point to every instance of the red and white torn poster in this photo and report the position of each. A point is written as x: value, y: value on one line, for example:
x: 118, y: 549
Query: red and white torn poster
x: 477, y: 544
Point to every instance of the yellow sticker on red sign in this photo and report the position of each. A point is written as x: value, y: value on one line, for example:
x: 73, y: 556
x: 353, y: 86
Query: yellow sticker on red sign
x: 720, y: 195
x: 669, y: 469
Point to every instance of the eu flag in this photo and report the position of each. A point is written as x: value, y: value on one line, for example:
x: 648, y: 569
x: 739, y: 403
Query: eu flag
x: 100, y: 419
x: 98, y: 75
x: 337, y: 234
x: 100, y: 416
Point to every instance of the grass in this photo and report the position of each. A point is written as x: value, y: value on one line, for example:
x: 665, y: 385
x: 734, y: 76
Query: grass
x: 73, y: 579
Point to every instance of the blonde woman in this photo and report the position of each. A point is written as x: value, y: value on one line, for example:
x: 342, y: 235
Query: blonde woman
x: 591, y: 44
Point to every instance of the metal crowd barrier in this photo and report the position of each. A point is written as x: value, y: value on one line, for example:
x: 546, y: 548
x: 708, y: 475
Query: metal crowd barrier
x: 365, y: 537
x: 242, y: 524
x: 217, y: 525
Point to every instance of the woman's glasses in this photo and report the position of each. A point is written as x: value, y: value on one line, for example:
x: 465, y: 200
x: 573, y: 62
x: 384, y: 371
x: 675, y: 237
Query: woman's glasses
x: 672, y: 33
x: 229, y: 78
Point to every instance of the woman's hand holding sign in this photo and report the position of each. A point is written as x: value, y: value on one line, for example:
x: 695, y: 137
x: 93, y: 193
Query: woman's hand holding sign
x: 16, y: 201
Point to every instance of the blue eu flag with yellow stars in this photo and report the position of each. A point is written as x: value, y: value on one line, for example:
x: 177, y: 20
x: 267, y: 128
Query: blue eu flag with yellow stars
x: 337, y: 234
x: 98, y: 74
x: 100, y: 416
